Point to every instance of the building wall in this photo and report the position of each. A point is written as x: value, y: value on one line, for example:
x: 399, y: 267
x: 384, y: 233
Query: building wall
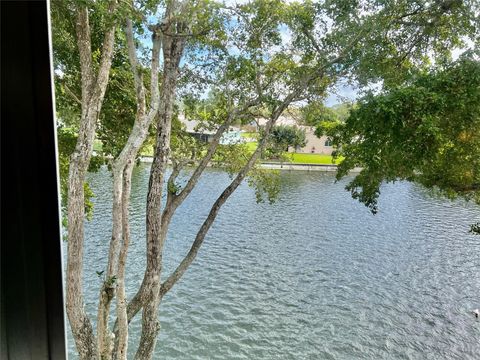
x: 314, y: 145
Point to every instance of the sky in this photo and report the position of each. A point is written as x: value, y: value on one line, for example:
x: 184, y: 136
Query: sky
x: 350, y: 92
x: 343, y: 92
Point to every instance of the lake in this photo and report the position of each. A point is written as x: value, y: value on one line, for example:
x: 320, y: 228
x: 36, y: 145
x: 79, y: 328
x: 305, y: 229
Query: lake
x: 313, y: 276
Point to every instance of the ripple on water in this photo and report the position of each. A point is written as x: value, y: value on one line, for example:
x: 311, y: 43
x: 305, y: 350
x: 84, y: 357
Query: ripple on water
x: 313, y: 276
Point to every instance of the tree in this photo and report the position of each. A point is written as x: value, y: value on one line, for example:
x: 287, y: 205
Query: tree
x: 94, y: 69
x: 122, y: 167
x: 238, y: 53
x: 316, y: 112
x: 427, y: 131
x: 282, y: 137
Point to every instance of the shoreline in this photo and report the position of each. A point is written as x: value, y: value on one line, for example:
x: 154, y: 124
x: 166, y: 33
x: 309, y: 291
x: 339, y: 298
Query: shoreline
x: 283, y: 166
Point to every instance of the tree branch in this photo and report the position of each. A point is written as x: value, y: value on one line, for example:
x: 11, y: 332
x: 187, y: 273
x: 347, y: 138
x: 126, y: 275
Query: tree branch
x: 200, y: 237
x: 173, y: 202
x: 107, y: 56
x: 135, y: 66
x: 72, y: 94
x: 82, y: 27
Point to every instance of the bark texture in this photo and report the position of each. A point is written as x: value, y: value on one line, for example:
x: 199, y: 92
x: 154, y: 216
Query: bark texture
x: 122, y: 172
x: 175, y: 200
x: 93, y: 86
x: 173, y: 47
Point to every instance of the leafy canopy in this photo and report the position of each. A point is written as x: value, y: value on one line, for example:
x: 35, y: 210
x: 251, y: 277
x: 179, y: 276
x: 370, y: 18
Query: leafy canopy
x: 427, y: 132
x: 282, y: 137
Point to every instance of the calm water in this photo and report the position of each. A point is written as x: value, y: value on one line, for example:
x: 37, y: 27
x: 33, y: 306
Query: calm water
x: 314, y: 276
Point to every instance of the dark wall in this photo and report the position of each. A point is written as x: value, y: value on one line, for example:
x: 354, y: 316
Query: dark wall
x: 32, y: 317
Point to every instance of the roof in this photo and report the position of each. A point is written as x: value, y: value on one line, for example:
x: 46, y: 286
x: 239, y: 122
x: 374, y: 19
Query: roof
x: 193, y: 126
x: 282, y: 120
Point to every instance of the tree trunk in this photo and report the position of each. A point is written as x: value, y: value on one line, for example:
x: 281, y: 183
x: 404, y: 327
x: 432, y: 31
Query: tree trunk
x: 93, y: 91
x: 107, y: 290
x: 174, y: 200
x: 121, y: 353
x: 149, y: 294
x: 81, y: 326
x: 229, y: 190
x: 122, y: 172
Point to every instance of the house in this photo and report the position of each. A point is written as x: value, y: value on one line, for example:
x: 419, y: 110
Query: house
x: 315, y: 145
x: 282, y: 120
x: 195, y: 129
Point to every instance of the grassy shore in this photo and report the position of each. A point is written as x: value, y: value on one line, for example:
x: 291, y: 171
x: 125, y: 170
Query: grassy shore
x: 302, y: 158
x: 298, y: 158
x: 294, y: 158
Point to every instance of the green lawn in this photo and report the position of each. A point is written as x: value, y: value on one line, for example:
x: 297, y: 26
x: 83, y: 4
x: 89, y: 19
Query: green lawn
x: 249, y: 135
x: 295, y: 158
x: 311, y: 158
x: 252, y: 146
x: 301, y: 158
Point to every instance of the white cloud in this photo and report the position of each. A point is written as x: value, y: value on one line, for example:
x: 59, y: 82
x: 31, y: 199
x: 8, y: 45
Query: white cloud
x: 343, y: 93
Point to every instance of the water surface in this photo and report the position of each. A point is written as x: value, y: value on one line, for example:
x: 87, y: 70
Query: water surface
x: 313, y: 276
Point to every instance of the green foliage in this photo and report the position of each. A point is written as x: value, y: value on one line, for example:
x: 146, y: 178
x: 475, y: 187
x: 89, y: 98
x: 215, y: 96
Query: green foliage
x: 233, y: 157
x: 384, y: 41
x: 281, y: 138
x: 66, y: 141
x: 88, y: 195
x: 428, y: 132
x: 342, y: 111
x: 266, y: 183
x: 119, y: 107
x: 315, y: 112
x: 110, y: 282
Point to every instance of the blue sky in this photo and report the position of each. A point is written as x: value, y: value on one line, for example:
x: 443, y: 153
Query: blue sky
x: 342, y: 92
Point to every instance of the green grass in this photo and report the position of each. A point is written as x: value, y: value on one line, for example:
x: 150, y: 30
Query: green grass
x: 249, y: 135
x: 251, y: 146
x: 311, y: 159
x: 295, y: 158
x: 302, y: 158
x: 97, y: 145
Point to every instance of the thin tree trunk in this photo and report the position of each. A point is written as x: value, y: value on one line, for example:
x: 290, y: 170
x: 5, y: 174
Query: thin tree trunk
x: 139, y: 299
x: 174, y: 201
x: 122, y: 170
x: 93, y: 91
x: 149, y: 296
x: 121, y: 353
